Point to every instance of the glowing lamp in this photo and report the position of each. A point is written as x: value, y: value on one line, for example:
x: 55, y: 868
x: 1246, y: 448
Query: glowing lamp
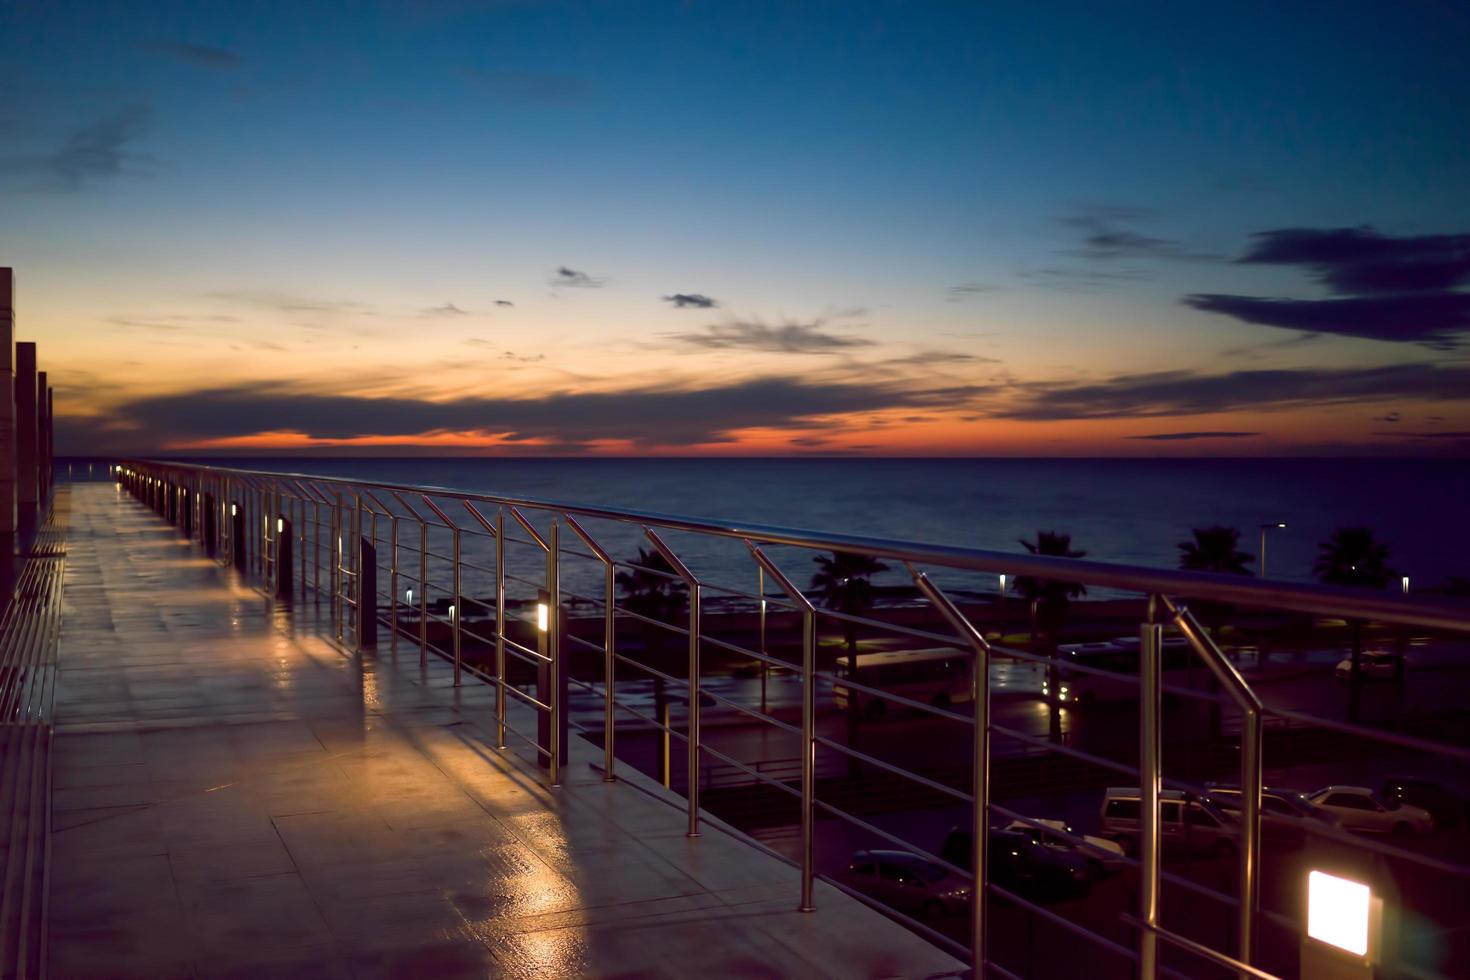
x: 543, y: 617
x: 452, y: 612
x: 234, y: 510
x: 280, y: 525
x: 1339, y: 912
x: 1002, y: 583
x: 1405, y: 583
x: 408, y: 596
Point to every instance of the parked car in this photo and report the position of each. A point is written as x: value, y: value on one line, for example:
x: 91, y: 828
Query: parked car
x: 1018, y: 864
x: 1281, y: 810
x: 1186, y: 822
x: 909, y: 884
x: 1372, y: 665
x: 1103, y: 856
x: 1359, y: 808
x: 1447, y: 804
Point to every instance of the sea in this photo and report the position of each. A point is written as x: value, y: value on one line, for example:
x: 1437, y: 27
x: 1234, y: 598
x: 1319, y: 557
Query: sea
x: 1134, y: 511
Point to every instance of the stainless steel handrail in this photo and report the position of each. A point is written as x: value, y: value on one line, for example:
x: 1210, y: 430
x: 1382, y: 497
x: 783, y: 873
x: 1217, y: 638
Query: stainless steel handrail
x: 1166, y: 590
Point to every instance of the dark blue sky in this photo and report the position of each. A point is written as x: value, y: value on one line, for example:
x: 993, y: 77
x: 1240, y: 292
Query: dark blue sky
x: 979, y: 198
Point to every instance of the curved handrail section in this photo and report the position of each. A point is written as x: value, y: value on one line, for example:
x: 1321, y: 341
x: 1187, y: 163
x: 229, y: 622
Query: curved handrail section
x: 1319, y: 600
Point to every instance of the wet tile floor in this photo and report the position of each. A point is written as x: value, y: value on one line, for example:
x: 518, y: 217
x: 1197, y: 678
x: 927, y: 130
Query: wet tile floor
x: 235, y: 796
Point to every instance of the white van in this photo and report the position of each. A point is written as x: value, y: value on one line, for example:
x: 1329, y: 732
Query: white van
x: 1186, y: 822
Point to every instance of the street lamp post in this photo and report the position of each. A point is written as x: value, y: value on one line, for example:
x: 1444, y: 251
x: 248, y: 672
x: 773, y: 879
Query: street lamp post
x: 1261, y: 564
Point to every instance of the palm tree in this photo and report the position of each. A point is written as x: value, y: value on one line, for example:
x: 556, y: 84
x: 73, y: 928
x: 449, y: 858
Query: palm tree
x: 1214, y: 550
x: 1353, y: 558
x: 653, y: 590
x: 843, y: 582
x: 1050, y: 602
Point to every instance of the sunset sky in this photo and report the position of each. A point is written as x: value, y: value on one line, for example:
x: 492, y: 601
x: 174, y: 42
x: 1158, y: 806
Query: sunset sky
x: 743, y: 228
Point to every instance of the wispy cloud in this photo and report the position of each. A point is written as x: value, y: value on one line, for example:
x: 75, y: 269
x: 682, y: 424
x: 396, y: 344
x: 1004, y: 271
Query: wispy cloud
x: 1433, y: 320
x: 1106, y: 236
x: 504, y: 302
x: 697, y: 301
x: 1191, y: 436
x: 99, y: 150
x: 575, y: 279
x: 963, y: 291
x: 448, y: 309
x: 201, y: 55
x: 786, y: 338
x: 1183, y: 393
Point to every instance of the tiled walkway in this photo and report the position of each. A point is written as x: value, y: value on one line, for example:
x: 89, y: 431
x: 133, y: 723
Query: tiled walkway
x: 234, y: 796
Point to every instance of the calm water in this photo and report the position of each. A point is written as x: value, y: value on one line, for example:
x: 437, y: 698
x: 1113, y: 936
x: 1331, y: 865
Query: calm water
x: 1132, y: 511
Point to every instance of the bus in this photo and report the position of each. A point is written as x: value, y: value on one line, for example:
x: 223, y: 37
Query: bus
x: 939, y: 676
x: 1118, y: 656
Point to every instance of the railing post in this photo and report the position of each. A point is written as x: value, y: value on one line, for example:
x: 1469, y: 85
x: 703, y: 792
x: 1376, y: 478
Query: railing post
x: 1150, y: 775
x: 456, y: 610
x: 609, y: 673
x: 808, y: 720
x: 500, y: 627
x: 355, y: 561
x: 393, y: 583
x: 423, y: 593
x: 553, y: 646
x: 696, y: 600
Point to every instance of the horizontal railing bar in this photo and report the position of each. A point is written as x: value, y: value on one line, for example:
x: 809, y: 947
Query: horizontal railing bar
x: 1239, y: 590
x: 759, y: 776
x: 1051, y: 746
x: 621, y: 658
x: 755, y: 713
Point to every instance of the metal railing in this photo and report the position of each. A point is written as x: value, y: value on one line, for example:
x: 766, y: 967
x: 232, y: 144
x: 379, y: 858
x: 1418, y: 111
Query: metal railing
x: 245, y: 516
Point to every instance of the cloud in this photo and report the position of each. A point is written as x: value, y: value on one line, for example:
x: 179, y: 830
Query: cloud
x: 201, y: 55
x: 97, y: 151
x: 448, y: 309
x: 575, y: 279
x: 1431, y: 319
x: 787, y: 338
x: 537, y: 88
x: 1104, y: 237
x: 695, y: 300
x: 649, y: 416
x: 931, y: 358
x: 1361, y: 260
x: 1080, y: 280
x: 1171, y: 393
x: 504, y: 302
x: 1186, y: 436
x: 1389, y: 417
x: 965, y: 290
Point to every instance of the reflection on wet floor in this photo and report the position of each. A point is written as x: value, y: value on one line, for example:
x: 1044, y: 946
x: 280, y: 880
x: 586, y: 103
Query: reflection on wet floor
x: 236, y: 796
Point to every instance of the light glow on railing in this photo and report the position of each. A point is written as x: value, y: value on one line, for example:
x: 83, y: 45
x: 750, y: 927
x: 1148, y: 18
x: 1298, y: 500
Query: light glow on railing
x: 1338, y: 912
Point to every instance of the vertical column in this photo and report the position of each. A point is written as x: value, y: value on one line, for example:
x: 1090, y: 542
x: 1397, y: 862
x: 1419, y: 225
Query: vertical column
x: 7, y: 401
x: 48, y: 441
x: 27, y: 428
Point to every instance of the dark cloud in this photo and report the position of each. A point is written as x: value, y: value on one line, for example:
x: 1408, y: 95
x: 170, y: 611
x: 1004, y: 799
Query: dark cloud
x: 504, y: 302
x: 97, y: 151
x: 1389, y: 417
x: 1431, y: 319
x: 575, y: 279
x: 1360, y: 260
x: 201, y: 55
x: 1187, y: 436
x: 1167, y: 393
x: 695, y: 300
x: 931, y: 358
x: 536, y: 88
x: 648, y: 417
x: 448, y: 309
x: 788, y: 338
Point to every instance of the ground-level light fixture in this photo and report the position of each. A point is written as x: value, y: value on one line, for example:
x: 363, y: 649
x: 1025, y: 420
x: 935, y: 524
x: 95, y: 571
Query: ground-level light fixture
x: 234, y: 509
x: 280, y: 525
x: 1405, y: 583
x: 543, y: 617
x: 408, y: 596
x: 1002, y: 584
x: 1342, y: 913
